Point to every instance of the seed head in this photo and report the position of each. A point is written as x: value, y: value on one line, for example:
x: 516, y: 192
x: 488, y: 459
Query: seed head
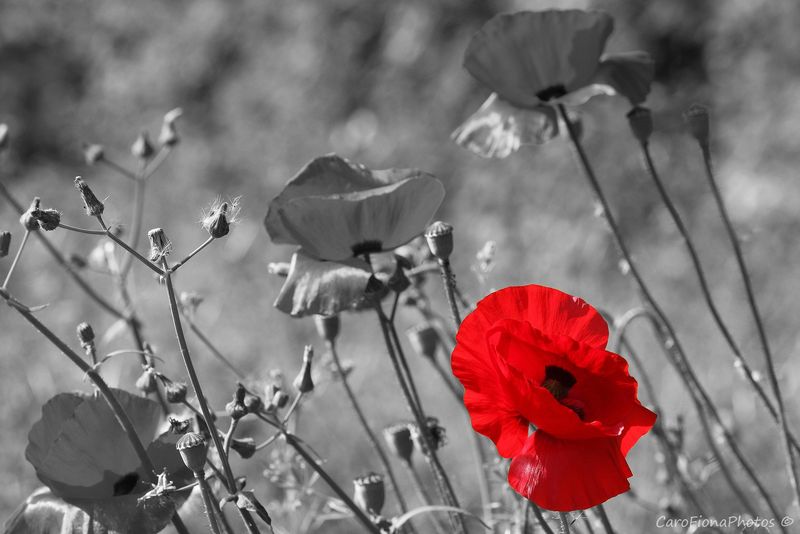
x: 160, y: 245
x: 696, y: 118
x: 93, y: 153
x: 398, y: 438
x: 90, y: 202
x: 370, y: 493
x: 303, y: 383
x: 169, y: 134
x: 27, y: 220
x: 85, y: 334
x: 327, y: 327
x: 246, y: 447
x: 440, y: 240
x: 49, y: 219
x: 5, y: 243
x: 193, y: 449
x: 175, y: 392
x: 640, y: 119
x: 424, y: 340
x: 142, y: 148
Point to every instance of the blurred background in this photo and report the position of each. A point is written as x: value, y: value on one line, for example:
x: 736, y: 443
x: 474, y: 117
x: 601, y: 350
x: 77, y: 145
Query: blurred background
x: 266, y: 86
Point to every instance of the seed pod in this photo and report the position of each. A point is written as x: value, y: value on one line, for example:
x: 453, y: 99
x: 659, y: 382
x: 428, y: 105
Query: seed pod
x: 27, y: 220
x: 327, y: 327
x: 424, y: 340
x: 175, y: 392
x: 246, y: 447
x: 440, y: 240
x: 303, y: 383
x: 141, y: 148
x: 5, y: 243
x: 398, y: 438
x: 216, y: 223
x: 696, y: 118
x: 49, y: 219
x: 93, y: 153
x: 370, y: 493
x: 640, y: 119
x: 90, y: 202
x: 160, y: 245
x: 193, y: 450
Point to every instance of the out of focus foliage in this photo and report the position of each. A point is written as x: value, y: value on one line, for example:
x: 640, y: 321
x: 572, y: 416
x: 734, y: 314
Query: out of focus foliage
x: 267, y: 85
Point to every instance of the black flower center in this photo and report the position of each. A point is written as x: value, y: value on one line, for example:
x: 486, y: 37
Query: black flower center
x: 367, y: 247
x: 557, y: 381
x: 554, y: 91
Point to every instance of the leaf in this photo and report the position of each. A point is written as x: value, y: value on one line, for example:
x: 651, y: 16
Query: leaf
x: 322, y: 287
x: 398, y: 522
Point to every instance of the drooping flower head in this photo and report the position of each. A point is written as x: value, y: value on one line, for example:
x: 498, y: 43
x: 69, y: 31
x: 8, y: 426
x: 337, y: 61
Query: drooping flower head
x: 532, y: 60
x: 336, y: 210
x: 534, y: 356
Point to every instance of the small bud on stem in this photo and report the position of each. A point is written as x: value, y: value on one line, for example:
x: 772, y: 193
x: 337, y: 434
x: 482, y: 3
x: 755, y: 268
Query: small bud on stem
x: 303, y: 383
x: 160, y: 246
x: 141, y: 148
x: 90, y: 202
x: 49, y: 219
x: 424, y: 340
x: 697, y: 121
x: 85, y: 335
x: 27, y: 220
x: 169, y: 134
x: 370, y: 493
x: 193, y: 450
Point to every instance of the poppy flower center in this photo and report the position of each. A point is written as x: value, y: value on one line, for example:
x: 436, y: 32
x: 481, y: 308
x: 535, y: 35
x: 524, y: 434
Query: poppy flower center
x: 367, y: 247
x: 557, y: 381
x: 554, y: 91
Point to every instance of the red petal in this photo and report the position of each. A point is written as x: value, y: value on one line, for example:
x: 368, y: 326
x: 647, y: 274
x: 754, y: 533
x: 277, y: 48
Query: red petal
x: 564, y: 475
x: 639, y: 423
x: 505, y: 428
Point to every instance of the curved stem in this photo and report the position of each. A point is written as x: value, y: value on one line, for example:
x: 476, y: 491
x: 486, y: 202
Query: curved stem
x: 422, y: 495
x: 17, y: 256
x: 540, y: 517
x: 210, y: 346
x: 80, y: 230
x: 153, y: 267
x: 601, y: 512
x: 794, y: 478
x: 674, y: 350
x: 365, y: 425
x: 138, y: 211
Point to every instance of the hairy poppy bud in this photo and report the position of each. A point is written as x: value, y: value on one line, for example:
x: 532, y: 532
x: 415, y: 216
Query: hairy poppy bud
x: 49, y: 219
x: 169, y: 135
x: 175, y: 392
x: 216, y: 223
x: 303, y: 383
x: 27, y: 219
x: 141, y: 148
x: 85, y: 334
x: 236, y: 409
x: 160, y: 246
x: 146, y: 383
x: 5, y: 243
x: 370, y: 493
x: 246, y: 447
x: 93, y: 153
x: 4, y: 136
x: 640, y: 119
x: 696, y: 118
x: 424, y: 340
x: 398, y: 438
x: 93, y: 206
x: 440, y: 240
x: 193, y: 449
x: 327, y: 327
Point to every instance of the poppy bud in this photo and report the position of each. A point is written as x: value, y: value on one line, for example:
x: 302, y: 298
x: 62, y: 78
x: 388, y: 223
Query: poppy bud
x: 398, y: 438
x: 193, y: 449
x: 27, y: 219
x: 253, y: 403
x: 141, y: 148
x: 246, y: 447
x: 398, y: 282
x: 424, y: 340
x: 437, y: 436
x: 93, y: 206
x: 696, y: 118
x: 93, y: 153
x: 49, y: 219
x: 440, y: 240
x: 375, y: 288
x: 278, y: 268
x: 160, y: 246
x: 640, y: 119
x: 146, y: 383
x: 303, y: 383
x: 216, y: 223
x: 5, y: 243
x: 327, y: 327
x: 85, y: 334
x: 236, y: 408
x: 169, y: 135
x: 370, y: 493
x: 175, y: 392
x: 279, y: 400
x: 4, y: 136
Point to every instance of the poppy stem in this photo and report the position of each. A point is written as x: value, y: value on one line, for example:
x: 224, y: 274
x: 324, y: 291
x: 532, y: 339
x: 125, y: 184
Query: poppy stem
x: 564, y: 522
x: 587, y: 522
x: 601, y: 512
x: 208, y: 500
x: 17, y: 256
x: 794, y: 478
x: 669, y: 340
x: 331, y: 345
x: 449, y: 281
x: 211, y: 347
x: 136, y: 218
x: 122, y: 171
x: 153, y: 267
x: 540, y: 518
x: 422, y: 495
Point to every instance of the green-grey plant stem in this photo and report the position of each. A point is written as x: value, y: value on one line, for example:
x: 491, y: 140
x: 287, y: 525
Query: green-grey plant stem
x: 427, y: 448
x: 358, y: 512
x: 540, y: 517
x: 208, y: 501
x: 136, y: 223
x: 149, y: 264
x: 17, y: 256
x: 601, y: 513
x: 562, y: 517
x: 422, y: 495
x: 449, y: 282
x: 664, y: 329
x: 210, y: 346
x: 192, y: 254
x: 118, y: 168
x: 762, y: 334
x: 587, y: 522
x: 387, y: 466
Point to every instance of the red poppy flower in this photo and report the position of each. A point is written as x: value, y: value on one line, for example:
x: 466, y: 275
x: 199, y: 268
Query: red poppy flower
x: 534, y: 356
x: 531, y: 60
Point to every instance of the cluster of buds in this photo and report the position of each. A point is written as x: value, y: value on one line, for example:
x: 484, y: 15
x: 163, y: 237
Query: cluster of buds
x: 93, y: 206
x: 160, y: 245
x: 369, y: 493
x: 304, y: 383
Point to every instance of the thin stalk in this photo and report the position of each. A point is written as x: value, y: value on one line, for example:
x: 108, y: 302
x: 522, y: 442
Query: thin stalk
x: 540, y: 517
x: 192, y: 254
x: 155, y: 163
x: 208, y: 501
x: 80, y: 230
x: 360, y: 515
x: 118, y: 168
x: 226, y: 442
x: 448, y: 279
x: 587, y: 523
x: 136, y: 222
x: 601, y: 512
x: 223, y: 521
x: 365, y: 425
x: 17, y: 256
x: 665, y: 330
x: 562, y: 517
x: 292, y: 407
x: 210, y: 346
x: 153, y: 267
x: 762, y: 334
x: 422, y: 495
